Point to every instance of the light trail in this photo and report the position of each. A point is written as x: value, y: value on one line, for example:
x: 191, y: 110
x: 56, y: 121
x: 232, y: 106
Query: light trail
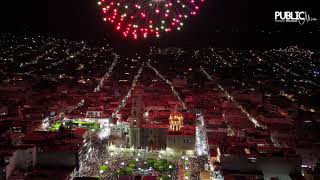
x: 100, y: 85
x: 243, y: 110
x: 108, y: 73
x: 71, y: 56
x: 215, y: 54
x: 168, y: 82
x: 125, y: 99
x: 288, y: 70
x: 36, y: 60
x: 284, y: 94
x: 202, y: 147
x: 45, y: 125
x: 105, y: 131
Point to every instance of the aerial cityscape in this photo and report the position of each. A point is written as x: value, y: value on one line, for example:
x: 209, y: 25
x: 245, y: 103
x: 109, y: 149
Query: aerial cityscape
x: 73, y: 108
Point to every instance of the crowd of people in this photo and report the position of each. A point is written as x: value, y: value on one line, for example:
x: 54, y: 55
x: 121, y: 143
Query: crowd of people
x: 99, y: 155
x: 197, y: 165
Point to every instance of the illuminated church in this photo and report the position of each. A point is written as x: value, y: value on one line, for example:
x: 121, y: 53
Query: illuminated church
x: 172, y: 135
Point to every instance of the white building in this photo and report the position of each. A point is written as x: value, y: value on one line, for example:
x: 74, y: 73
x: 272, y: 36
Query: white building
x: 119, y: 129
x: 183, y: 143
x: 24, y: 158
x: 94, y: 112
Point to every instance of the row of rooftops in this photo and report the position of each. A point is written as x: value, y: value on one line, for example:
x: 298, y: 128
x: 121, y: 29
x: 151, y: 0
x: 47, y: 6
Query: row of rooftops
x: 253, y: 145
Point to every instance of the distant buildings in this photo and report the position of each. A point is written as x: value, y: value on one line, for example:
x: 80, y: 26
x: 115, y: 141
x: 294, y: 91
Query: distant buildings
x: 44, y: 79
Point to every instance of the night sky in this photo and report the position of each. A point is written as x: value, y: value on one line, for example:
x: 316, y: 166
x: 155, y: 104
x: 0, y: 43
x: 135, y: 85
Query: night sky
x: 221, y: 23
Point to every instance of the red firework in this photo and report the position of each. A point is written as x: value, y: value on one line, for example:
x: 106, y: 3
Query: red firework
x: 144, y: 18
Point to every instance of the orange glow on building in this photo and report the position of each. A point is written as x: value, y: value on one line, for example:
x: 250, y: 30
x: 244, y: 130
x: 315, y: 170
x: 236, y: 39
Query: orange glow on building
x: 175, y: 122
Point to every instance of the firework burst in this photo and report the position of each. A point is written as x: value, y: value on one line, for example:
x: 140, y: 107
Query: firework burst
x: 144, y: 18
